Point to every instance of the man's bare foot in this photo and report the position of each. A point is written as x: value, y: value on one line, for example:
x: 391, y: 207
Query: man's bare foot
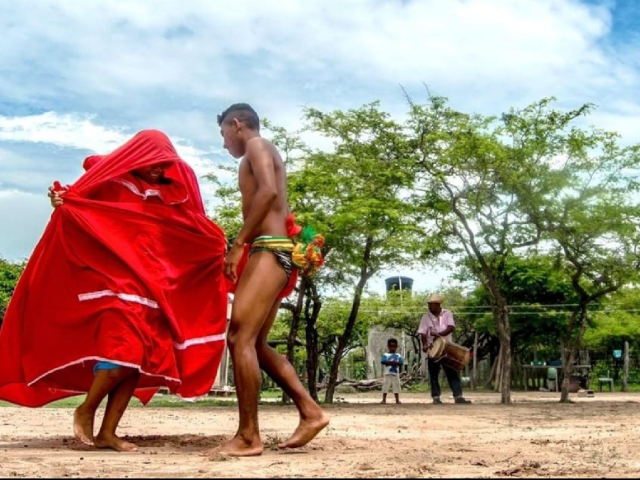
x: 115, y: 443
x: 238, y: 446
x: 306, y: 431
x: 83, y: 425
x: 383, y: 402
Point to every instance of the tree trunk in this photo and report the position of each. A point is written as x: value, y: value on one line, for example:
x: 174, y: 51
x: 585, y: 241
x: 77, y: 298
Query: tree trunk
x: 293, y: 330
x: 311, y: 338
x: 498, y: 372
x: 342, y: 343
x: 366, y: 355
x: 474, y: 376
x: 417, y: 357
x: 568, y: 359
x: 499, y: 307
x: 503, y: 374
x: 365, y: 274
x: 492, y: 373
x: 625, y: 371
x: 574, y: 347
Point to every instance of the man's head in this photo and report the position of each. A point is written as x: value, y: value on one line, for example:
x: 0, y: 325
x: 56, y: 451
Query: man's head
x: 153, y: 173
x: 238, y: 123
x: 434, y: 303
x: 392, y: 345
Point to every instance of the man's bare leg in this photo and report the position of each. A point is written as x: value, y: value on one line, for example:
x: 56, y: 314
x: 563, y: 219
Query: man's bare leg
x: 103, y: 383
x: 312, y: 418
x: 261, y: 282
x: 116, y: 406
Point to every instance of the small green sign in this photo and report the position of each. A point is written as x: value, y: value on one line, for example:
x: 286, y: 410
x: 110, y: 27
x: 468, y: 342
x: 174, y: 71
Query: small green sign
x: 617, y: 354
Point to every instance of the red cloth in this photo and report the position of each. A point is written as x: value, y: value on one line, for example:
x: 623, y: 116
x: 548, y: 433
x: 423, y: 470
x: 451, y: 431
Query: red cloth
x: 119, y: 278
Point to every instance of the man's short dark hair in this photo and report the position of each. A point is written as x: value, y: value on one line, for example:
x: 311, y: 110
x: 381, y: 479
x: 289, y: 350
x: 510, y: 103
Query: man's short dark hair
x: 392, y: 341
x: 243, y: 112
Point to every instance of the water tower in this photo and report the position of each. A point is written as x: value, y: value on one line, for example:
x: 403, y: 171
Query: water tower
x: 399, y: 283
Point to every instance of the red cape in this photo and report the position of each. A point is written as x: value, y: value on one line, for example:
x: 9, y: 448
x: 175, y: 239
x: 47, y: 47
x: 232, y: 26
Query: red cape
x: 137, y: 283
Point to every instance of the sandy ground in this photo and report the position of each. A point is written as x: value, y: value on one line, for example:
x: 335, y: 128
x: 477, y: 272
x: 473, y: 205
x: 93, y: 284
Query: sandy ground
x: 534, y: 437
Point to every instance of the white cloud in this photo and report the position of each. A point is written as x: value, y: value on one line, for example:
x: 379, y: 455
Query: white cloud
x: 67, y: 130
x: 115, y: 48
x: 81, y: 75
x: 80, y: 132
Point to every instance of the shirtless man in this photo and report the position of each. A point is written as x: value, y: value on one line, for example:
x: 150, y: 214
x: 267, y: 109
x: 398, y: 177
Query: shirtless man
x: 263, y: 186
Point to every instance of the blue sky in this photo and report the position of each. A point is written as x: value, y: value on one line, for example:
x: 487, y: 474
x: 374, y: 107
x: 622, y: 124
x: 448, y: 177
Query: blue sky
x: 81, y: 77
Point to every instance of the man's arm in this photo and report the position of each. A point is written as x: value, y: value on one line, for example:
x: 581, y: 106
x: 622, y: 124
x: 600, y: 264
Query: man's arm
x: 446, y: 331
x: 260, y: 159
x: 423, y: 337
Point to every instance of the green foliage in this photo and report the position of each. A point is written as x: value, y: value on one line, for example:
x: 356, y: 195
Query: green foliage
x: 536, y: 209
x: 540, y: 299
x: 356, y: 194
x: 462, y: 166
x: 333, y: 320
x: 9, y: 275
x: 618, y: 320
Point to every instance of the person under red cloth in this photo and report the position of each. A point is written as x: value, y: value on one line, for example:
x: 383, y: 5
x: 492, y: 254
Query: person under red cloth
x: 123, y: 294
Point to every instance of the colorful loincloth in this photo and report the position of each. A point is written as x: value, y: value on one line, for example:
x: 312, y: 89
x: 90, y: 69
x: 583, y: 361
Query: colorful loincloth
x: 297, y: 257
x: 281, y: 247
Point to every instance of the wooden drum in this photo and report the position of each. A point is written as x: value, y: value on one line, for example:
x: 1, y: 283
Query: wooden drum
x: 449, y: 353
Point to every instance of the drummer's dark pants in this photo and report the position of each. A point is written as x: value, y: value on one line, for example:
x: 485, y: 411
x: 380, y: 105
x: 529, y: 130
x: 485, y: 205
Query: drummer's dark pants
x: 453, y: 377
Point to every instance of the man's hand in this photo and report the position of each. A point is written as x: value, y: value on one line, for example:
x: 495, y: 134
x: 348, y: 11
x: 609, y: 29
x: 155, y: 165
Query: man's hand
x: 231, y: 262
x: 54, y: 196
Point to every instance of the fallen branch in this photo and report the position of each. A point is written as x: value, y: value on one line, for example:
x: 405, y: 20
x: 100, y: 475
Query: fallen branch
x: 369, y: 384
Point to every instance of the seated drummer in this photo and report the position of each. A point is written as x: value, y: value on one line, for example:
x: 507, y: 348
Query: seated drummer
x: 438, y: 322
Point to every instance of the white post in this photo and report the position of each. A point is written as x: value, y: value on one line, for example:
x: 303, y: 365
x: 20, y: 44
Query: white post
x: 625, y: 368
x: 474, y: 378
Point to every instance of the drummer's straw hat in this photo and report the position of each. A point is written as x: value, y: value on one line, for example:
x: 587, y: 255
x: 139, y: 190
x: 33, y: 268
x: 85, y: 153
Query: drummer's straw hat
x: 434, y: 298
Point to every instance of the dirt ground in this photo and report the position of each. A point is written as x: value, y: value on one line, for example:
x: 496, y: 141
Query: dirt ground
x: 534, y: 437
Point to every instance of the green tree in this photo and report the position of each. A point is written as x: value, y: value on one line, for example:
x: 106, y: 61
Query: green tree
x: 583, y: 202
x: 357, y: 196
x: 9, y: 274
x: 618, y: 320
x: 539, y: 298
x: 595, y: 225
x: 465, y: 167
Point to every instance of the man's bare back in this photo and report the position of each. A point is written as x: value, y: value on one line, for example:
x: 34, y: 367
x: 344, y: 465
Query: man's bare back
x: 274, y: 222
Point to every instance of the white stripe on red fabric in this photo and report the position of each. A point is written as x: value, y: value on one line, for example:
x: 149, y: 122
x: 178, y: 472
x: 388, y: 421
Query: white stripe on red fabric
x: 127, y: 297
x: 199, y: 341
x: 151, y: 192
